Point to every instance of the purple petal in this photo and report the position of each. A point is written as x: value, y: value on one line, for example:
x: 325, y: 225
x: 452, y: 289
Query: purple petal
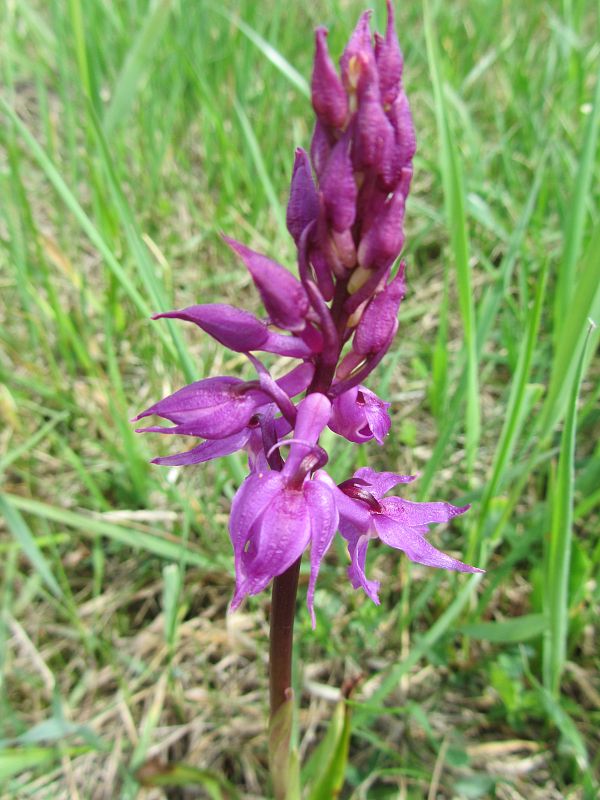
x: 416, y: 547
x: 355, y: 517
x: 416, y: 514
x: 303, y: 204
x: 323, y: 524
x: 283, y: 296
x: 251, y: 499
x: 236, y: 329
x: 290, y: 346
x: 278, y: 537
x: 206, y: 451
x: 359, y: 415
x: 374, y: 134
x: 375, y: 409
x: 381, y: 482
x: 313, y: 416
x: 328, y: 95
x: 356, y: 571
x: 338, y: 187
x: 297, y: 380
x: 404, y: 144
x: 380, y: 319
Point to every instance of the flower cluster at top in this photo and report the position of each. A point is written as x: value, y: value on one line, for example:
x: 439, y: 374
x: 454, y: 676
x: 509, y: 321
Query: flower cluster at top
x: 345, y: 214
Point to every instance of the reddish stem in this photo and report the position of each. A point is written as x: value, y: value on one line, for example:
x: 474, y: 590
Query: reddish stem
x: 283, y: 611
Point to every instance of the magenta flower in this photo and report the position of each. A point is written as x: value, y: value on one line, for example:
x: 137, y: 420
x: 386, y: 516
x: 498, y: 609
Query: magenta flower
x: 338, y: 318
x: 365, y: 514
x: 359, y: 415
x: 276, y: 515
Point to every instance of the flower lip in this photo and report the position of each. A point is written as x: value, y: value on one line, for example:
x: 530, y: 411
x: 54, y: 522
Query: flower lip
x: 353, y: 488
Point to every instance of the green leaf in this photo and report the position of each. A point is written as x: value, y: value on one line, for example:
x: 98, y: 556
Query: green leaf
x: 520, y: 629
x: 20, y: 530
x: 326, y: 768
x: 153, y: 773
x: 14, y: 760
x: 92, y: 527
x: 558, y: 554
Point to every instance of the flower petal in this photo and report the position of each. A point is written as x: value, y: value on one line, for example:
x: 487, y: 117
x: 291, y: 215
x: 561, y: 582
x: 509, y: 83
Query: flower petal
x: 233, y: 327
x: 206, y: 451
x: 416, y: 547
x: 376, y: 412
x: 251, y: 499
x: 381, y: 482
x: 278, y: 538
x: 313, y: 416
x: 412, y: 514
x: 323, y: 524
x: 356, y: 571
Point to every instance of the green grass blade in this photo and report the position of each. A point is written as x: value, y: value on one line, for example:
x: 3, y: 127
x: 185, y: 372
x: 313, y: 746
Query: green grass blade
x: 261, y: 169
x: 454, y: 198
x: 82, y: 218
x: 20, y: 530
x: 273, y: 55
x: 558, y: 559
x: 585, y: 305
x: 92, y: 527
x: 136, y: 62
x: 575, y: 221
x: 510, y: 631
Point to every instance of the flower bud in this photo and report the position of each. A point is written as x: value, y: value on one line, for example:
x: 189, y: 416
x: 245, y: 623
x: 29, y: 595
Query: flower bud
x: 329, y: 98
x: 379, y: 321
x: 383, y: 241
x: 359, y: 415
x: 283, y: 295
x: 303, y: 205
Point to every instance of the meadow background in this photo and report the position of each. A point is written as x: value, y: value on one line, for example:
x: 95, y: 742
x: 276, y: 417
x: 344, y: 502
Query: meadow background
x: 132, y: 133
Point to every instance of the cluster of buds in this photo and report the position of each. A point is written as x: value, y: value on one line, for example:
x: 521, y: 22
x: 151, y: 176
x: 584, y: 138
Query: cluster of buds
x: 338, y: 320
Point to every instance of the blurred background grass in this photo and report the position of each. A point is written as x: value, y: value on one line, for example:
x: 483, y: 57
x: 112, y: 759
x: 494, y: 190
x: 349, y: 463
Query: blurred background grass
x: 133, y: 132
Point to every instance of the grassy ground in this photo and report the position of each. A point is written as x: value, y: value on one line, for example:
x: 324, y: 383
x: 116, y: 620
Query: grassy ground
x: 132, y: 133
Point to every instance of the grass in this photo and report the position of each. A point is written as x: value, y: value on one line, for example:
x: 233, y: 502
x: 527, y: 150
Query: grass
x: 132, y: 134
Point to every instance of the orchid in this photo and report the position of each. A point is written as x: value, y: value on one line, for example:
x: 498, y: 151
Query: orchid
x: 338, y: 318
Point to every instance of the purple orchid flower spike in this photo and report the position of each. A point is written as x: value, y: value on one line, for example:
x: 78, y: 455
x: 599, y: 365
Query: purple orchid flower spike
x: 366, y: 514
x: 276, y: 515
x: 338, y: 317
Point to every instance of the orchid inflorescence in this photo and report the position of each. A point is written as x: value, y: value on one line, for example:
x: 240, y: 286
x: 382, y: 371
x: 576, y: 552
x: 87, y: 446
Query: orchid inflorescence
x: 345, y: 214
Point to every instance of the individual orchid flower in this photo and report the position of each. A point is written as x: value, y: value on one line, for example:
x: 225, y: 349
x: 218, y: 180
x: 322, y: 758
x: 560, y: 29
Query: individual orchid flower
x: 359, y: 415
x: 225, y: 411
x: 275, y: 515
x: 366, y: 514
